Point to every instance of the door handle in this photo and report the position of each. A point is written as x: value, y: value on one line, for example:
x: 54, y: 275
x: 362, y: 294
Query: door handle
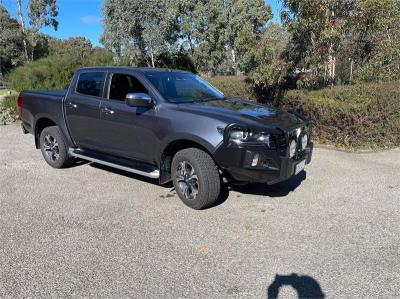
x: 72, y: 105
x: 107, y: 110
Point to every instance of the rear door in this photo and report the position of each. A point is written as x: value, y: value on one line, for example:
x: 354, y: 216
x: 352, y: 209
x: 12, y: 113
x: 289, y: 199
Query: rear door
x: 82, y: 109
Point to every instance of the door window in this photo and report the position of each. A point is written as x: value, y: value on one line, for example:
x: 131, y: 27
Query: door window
x: 122, y: 84
x: 91, y: 83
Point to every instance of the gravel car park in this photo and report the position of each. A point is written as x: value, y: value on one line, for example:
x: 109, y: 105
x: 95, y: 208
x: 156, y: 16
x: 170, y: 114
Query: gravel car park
x: 93, y: 231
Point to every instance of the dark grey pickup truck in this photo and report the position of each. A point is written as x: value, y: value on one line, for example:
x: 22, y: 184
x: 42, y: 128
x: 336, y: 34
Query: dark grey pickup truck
x: 167, y: 125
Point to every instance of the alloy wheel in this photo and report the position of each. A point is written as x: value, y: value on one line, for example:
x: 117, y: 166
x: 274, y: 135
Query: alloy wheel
x: 51, y: 148
x: 188, y: 182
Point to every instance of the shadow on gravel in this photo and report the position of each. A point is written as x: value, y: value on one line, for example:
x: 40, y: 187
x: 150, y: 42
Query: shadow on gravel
x: 305, y: 286
x: 278, y: 190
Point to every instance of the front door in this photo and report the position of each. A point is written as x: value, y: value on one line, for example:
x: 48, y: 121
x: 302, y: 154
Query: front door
x: 126, y: 131
x: 82, y: 109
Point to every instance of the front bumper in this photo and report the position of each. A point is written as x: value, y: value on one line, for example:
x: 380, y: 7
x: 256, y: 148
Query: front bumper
x: 272, y: 167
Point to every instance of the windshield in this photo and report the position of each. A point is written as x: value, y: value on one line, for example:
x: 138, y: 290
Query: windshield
x: 183, y: 87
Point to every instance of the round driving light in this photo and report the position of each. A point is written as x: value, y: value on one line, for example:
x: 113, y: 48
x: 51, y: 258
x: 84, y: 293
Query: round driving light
x: 304, y: 142
x: 292, y: 148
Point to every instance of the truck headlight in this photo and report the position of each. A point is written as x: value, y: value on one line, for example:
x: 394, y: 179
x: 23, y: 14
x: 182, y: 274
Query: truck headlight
x: 292, y: 148
x: 248, y: 136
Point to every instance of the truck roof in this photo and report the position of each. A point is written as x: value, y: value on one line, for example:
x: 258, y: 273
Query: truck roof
x: 127, y: 68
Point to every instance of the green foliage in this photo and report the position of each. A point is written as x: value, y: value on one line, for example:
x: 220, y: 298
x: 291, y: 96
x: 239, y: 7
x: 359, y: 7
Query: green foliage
x: 384, y: 66
x: 54, y: 72
x: 145, y: 33
x: 362, y: 116
x: 74, y: 46
x: 233, y: 86
x: 267, y: 82
x: 355, y: 117
x: 10, y: 102
x: 8, y: 109
x: 138, y: 31
x: 267, y: 67
x: 10, y: 42
x: 43, y: 13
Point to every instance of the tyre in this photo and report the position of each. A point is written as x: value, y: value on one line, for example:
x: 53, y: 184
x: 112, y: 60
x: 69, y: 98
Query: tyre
x: 54, y: 150
x: 196, y: 178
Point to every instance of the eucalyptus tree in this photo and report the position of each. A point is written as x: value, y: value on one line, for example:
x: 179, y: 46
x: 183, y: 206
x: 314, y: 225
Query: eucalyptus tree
x: 41, y: 13
x: 11, y: 46
x: 244, y: 18
x: 317, y: 27
x: 139, y: 30
x: 354, y: 31
x: 210, y: 19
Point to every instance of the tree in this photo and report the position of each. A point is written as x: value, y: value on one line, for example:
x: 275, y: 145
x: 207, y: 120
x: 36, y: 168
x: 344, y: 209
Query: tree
x: 316, y: 27
x: 41, y: 13
x: 11, y: 45
x: 76, y: 46
x: 138, y: 30
x: 376, y: 26
x: 245, y: 18
x: 210, y: 23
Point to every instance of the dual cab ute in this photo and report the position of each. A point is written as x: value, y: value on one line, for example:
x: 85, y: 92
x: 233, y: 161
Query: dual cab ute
x: 167, y: 125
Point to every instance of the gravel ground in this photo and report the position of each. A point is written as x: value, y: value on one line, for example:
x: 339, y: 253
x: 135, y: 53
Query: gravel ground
x: 90, y: 231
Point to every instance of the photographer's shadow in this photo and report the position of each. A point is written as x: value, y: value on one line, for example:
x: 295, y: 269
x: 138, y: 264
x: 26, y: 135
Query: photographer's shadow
x: 278, y: 190
x: 305, y: 286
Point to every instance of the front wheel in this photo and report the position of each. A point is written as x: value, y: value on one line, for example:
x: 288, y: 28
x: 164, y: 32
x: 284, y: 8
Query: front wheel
x: 196, y: 178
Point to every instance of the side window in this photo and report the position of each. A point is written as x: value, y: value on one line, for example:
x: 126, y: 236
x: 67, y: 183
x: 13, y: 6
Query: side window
x: 122, y: 84
x: 91, y: 83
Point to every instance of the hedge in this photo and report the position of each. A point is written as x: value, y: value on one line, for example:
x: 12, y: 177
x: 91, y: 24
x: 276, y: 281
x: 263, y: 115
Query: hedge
x: 363, y: 116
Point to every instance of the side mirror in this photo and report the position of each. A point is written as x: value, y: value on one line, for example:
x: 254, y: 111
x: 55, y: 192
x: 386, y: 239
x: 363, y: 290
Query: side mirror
x: 139, y: 100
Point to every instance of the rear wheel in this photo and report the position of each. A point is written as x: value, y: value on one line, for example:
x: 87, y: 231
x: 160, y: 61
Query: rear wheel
x: 54, y: 150
x: 196, y: 178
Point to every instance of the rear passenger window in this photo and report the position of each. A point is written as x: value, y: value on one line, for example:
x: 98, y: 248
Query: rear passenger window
x: 91, y: 83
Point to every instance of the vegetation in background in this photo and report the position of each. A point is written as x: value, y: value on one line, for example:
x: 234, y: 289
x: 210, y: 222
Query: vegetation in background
x: 55, y: 72
x: 233, y: 86
x: 354, y: 117
x: 40, y: 13
x: 209, y: 32
x: 8, y: 109
x: 350, y: 46
x: 329, y: 39
x: 11, y: 46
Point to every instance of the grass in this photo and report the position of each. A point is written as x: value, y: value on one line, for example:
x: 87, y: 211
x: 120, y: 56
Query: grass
x: 4, y: 92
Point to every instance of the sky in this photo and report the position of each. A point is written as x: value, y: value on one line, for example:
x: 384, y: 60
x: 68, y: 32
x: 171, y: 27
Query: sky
x: 83, y: 18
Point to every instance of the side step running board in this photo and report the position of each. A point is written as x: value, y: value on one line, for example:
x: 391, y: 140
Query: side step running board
x: 154, y: 174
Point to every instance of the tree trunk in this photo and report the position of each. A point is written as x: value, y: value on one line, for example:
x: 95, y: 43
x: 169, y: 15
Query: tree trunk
x: 234, y: 61
x: 152, y: 57
x: 351, y: 70
x: 330, y: 16
x: 21, y: 18
x: 331, y: 64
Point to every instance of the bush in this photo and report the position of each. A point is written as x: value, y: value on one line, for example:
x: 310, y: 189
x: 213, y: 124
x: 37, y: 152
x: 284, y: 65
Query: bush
x: 356, y: 117
x: 233, y: 86
x: 8, y: 109
x: 54, y: 72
